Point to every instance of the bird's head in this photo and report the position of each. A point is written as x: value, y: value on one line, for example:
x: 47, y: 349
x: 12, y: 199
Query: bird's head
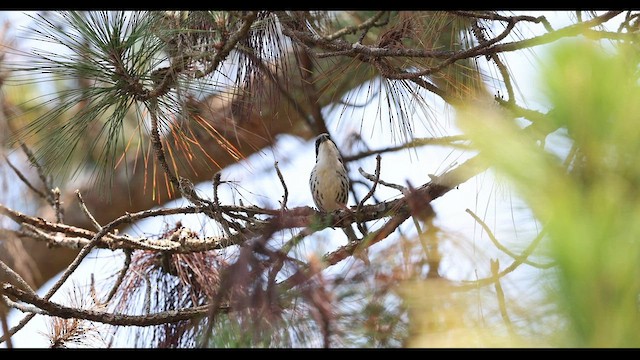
x: 326, y: 147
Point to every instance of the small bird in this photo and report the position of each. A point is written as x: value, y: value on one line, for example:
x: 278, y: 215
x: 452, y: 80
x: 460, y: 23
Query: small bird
x: 329, y: 183
x: 188, y: 191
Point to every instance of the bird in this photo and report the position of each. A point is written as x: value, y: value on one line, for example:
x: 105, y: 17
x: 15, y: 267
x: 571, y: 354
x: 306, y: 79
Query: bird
x: 329, y: 183
x: 188, y: 191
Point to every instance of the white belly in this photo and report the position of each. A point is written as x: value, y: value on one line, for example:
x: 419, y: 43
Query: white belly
x: 330, y: 187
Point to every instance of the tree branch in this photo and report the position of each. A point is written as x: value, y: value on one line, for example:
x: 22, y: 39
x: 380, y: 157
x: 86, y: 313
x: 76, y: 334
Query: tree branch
x: 65, y: 312
x: 417, y: 142
x: 504, y: 249
x: 569, y: 31
x: 365, y: 25
x: 467, y: 285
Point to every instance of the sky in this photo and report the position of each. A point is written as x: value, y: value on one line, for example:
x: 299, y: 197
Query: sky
x: 487, y: 197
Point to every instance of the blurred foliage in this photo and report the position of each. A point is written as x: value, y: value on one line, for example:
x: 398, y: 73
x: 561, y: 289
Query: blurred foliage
x: 588, y: 203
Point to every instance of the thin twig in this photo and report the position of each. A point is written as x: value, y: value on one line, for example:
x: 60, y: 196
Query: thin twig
x: 215, y: 212
x: 473, y: 284
x: 365, y: 25
x: 505, y: 77
x: 147, y: 293
x: 295, y: 240
x: 25, y: 180
x: 121, y: 275
x: 502, y: 304
x: 375, y: 180
x: 15, y: 277
x: 86, y: 211
x: 57, y: 204
x: 216, y: 184
x: 156, y: 142
x: 285, y: 197
x: 22, y: 307
x: 573, y: 152
x: 494, y: 16
x: 417, y: 142
x: 479, y: 34
x: 53, y: 194
x: 362, y: 226
x: 375, y: 183
x: 4, y: 310
x: 626, y: 24
x: 34, y: 163
x: 532, y: 115
x: 209, y: 208
x: 92, y: 290
x: 503, y: 248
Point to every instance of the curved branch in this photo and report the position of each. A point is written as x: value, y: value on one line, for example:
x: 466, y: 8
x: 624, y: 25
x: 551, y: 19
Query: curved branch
x: 65, y: 312
x: 569, y: 31
x: 70, y: 269
x: 467, y: 285
x: 465, y: 54
x: 121, y: 275
x: 365, y: 25
x: 285, y: 196
x: 417, y: 142
x: 373, y: 54
x: 157, y: 143
x: 503, y: 248
x: 495, y: 16
x: 11, y: 275
x: 375, y: 183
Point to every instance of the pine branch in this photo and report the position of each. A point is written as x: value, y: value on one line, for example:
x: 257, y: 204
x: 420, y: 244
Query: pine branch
x: 65, y: 312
